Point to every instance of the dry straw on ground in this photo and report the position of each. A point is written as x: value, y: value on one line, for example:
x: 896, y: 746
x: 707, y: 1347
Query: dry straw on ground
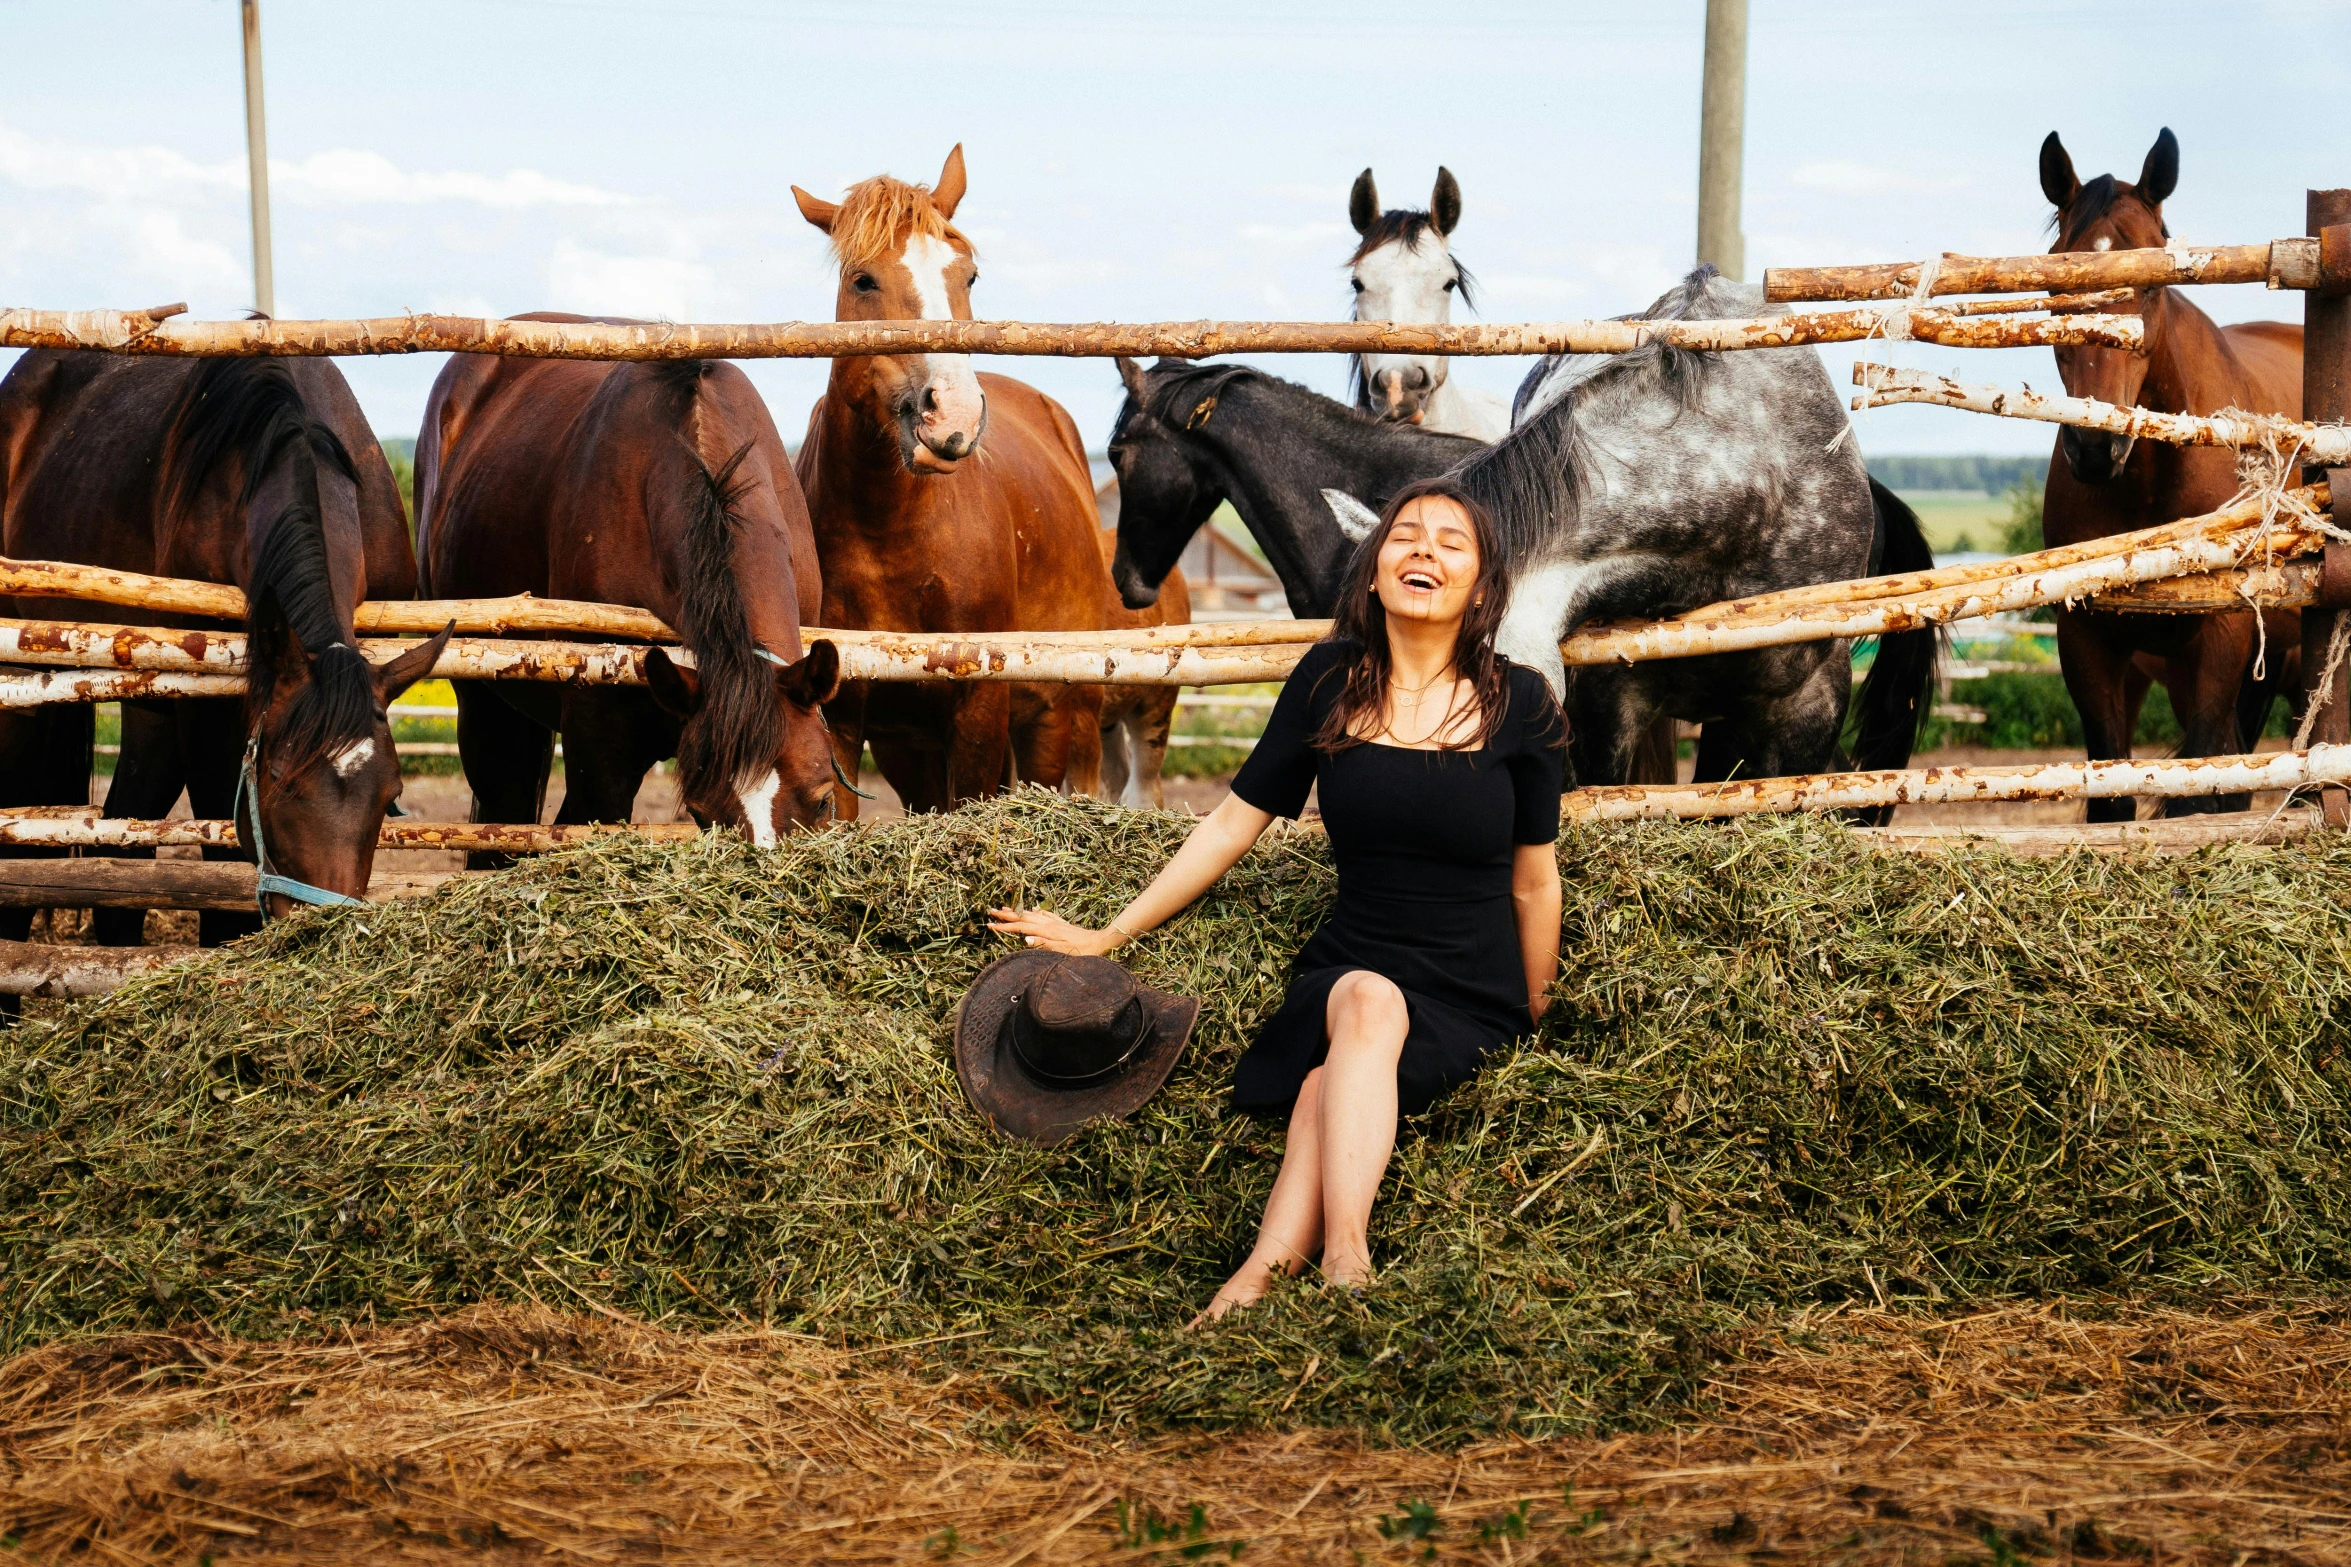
x: 2117, y: 1434
x: 708, y: 1086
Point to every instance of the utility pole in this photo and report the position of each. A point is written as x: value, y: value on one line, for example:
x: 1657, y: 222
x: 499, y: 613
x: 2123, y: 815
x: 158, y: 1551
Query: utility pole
x: 265, y: 293
x: 1722, y: 133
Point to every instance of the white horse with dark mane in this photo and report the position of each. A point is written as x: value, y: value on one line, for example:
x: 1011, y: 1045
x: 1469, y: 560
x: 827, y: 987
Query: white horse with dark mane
x: 1403, y: 269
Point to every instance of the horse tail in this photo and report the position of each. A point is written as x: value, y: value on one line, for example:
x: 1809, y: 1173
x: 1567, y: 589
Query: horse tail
x: 1896, y: 697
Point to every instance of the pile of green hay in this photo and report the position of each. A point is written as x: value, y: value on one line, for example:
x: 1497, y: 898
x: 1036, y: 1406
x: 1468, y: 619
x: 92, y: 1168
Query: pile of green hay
x: 704, y: 1083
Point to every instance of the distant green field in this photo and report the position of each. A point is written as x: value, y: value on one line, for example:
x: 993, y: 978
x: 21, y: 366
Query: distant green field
x: 1957, y: 521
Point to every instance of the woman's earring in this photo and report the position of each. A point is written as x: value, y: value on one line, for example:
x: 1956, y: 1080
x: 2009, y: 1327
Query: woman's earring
x: 1479, y: 602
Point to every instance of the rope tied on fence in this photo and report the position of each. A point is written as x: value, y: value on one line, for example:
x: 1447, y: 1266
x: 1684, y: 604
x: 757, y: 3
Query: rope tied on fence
x: 1894, y: 318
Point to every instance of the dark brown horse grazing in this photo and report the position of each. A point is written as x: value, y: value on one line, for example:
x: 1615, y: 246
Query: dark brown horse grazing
x: 946, y: 501
x: 664, y: 486
x: 2102, y: 484
x: 257, y: 472
x: 1136, y: 720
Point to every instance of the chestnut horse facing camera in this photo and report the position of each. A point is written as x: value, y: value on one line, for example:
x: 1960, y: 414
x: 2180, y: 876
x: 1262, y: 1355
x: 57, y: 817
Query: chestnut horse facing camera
x: 2101, y: 484
x: 257, y: 472
x: 946, y: 501
x: 664, y: 486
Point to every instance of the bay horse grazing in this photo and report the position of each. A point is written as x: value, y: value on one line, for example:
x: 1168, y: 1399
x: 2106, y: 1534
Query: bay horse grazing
x: 1136, y: 720
x: 2101, y: 484
x: 663, y: 486
x: 945, y: 501
x: 1404, y: 269
x: 260, y: 473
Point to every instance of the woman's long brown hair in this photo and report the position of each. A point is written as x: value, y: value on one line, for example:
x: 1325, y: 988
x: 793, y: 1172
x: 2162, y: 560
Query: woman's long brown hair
x: 1361, y: 708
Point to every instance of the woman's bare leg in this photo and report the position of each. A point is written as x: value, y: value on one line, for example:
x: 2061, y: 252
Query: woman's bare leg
x: 1368, y: 1020
x: 1287, y: 1240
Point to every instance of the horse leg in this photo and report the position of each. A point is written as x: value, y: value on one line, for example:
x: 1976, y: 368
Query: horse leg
x: 212, y: 750
x: 979, y: 742
x: 1147, y: 727
x: 44, y: 760
x: 1781, y: 733
x: 148, y: 777
x: 1062, y: 748
x: 2207, y: 680
x: 1614, y: 717
x: 610, y: 739
x: 2098, y: 677
x: 1117, y: 771
x: 506, y: 757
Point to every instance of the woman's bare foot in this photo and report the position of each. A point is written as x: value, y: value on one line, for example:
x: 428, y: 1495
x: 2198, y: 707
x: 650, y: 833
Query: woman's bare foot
x: 1245, y: 1288
x: 1347, y: 1271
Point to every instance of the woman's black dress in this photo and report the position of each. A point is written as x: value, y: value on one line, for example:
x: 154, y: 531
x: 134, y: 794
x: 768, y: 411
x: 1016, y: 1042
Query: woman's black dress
x: 1423, y: 841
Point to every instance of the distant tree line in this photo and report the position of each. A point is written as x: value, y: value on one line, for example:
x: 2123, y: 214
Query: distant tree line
x: 1992, y: 475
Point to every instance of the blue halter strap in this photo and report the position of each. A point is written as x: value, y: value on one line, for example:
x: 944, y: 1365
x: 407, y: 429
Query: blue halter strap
x: 270, y: 881
x: 840, y: 777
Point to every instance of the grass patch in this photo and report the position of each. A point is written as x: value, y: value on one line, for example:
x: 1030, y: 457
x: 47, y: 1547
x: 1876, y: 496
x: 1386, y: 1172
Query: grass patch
x: 704, y: 1084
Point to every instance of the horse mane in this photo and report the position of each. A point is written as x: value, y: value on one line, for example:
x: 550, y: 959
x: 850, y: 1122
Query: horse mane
x: 877, y: 211
x: 1181, y: 395
x: 2089, y: 204
x: 253, y: 408
x: 734, y: 741
x: 1537, y: 474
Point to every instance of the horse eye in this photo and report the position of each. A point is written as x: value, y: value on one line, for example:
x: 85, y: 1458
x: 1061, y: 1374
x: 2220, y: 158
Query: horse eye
x: 974, y: 283
x: 1357, y: 283
x: 1449, y: 282
x: 864, y: 283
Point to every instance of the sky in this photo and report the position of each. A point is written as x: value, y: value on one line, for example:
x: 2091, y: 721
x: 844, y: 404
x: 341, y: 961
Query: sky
x: 1127, y: 162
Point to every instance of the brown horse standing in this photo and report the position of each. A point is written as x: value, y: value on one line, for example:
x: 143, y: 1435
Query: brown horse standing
x: 664, y: 486
x: 257, y: 472
x: 2102, y: 484
x: 922, y: 527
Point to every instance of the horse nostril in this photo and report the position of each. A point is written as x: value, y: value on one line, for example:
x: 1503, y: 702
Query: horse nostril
x: 1417, y: 377
x: 930, y: 399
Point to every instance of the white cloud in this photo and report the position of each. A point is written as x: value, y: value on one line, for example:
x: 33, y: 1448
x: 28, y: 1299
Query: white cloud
x: 344, y: 175
x: 593, y: 283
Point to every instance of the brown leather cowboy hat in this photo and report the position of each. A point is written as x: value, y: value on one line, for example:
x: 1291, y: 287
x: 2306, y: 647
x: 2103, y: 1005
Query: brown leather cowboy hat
x: 1045, y: 1042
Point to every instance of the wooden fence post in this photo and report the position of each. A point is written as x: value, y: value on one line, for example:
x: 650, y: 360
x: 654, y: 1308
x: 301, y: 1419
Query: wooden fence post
x: 2326, y: 396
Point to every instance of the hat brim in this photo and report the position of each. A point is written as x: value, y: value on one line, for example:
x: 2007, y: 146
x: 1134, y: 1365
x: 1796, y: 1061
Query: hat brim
x: 1019, y: 1105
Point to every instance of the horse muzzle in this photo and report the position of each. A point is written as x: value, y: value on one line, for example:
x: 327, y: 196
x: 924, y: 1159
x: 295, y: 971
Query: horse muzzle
x: 1134, y: 590
x: 1401, y: 395
x: 945, y: 420
x: 2094, y: 456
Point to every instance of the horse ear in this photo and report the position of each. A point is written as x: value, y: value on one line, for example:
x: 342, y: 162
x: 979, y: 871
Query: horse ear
x: 1131, y: 375
x: 2057, y: 178
x: 397, y: 675
x: 1356, y: 520
x: 1445, y: 202
x: 820, y: 213
x: 947, y: 195
x: 1363, y: 203
x: 814, y: 679
x: 677, y: 690
x: 2160, y: 175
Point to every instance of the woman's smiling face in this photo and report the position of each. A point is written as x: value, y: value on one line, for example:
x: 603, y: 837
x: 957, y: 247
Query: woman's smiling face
x: 1429, y: 562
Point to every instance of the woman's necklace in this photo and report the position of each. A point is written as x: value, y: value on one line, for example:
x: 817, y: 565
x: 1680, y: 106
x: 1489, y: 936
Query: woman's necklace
x: 1444, y: 719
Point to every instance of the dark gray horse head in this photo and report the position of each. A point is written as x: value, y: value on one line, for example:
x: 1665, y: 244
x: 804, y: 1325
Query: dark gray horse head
x: 1301, y: 471
x: 1163, y: 495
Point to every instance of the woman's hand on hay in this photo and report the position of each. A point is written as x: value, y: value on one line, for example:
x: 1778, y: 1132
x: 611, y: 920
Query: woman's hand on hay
x: 1042, y: 928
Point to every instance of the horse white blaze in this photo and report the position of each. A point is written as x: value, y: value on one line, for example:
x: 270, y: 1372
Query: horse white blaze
x: 952, y: 402
x: 1405, y: 283
x: 759, y: 807
x: 353, y: 757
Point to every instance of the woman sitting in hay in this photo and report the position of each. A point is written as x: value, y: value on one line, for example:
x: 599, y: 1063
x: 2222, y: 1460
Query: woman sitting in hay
x: 1439, y: 765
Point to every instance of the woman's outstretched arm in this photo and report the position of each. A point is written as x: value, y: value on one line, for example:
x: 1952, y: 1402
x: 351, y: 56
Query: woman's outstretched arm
x: 1215, y: 846
x: 1534, y: 892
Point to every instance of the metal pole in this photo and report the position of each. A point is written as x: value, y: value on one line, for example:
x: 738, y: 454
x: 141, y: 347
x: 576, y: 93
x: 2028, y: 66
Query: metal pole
x: 2326, y: 395
x: 265, y: 293
x: 1722, y: 132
